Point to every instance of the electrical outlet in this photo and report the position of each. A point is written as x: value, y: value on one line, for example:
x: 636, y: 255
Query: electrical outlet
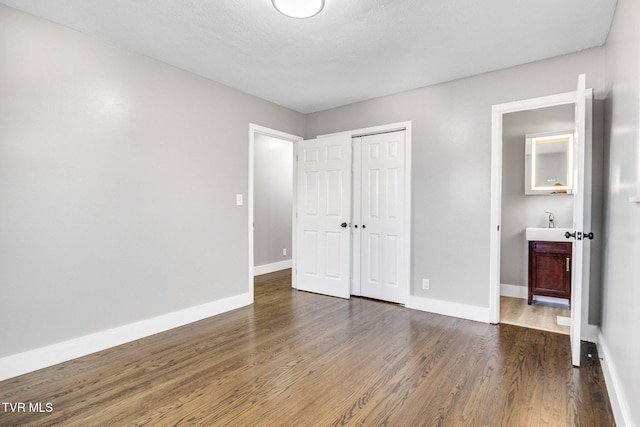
x: 426, y: 284
x: 284, y: 252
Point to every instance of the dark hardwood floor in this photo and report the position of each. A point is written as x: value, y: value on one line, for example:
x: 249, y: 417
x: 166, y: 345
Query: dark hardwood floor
x: 299, y: 359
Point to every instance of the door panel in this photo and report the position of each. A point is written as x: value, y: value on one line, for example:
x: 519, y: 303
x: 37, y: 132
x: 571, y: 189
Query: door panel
x: 381, y: 216
x: 578, y: 250
x: 335, y: 187
x: 310, y: 249
x: 324, y: 204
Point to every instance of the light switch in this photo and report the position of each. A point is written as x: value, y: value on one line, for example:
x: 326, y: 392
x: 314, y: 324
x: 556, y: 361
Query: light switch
x: 239, y: 200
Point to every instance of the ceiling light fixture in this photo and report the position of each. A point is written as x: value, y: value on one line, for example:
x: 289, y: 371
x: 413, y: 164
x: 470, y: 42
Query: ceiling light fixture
x: 299, y: 8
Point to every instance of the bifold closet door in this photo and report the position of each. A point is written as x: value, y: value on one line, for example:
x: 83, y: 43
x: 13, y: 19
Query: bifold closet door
x: 323, y: 263
x: 379, y: 213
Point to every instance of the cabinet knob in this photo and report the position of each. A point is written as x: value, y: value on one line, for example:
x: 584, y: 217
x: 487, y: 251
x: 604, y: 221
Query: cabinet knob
x: 570, y: 235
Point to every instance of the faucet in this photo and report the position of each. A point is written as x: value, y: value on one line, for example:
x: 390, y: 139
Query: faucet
x: 552, y: 221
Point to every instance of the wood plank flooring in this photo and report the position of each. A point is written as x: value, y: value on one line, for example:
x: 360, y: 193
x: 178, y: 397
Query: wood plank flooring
x: 539, y: 315
x: 300, y: 359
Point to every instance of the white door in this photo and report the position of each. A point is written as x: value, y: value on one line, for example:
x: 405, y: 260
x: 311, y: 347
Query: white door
x: 378, y: 225
x: 323, y: 216
x: 579, y: 253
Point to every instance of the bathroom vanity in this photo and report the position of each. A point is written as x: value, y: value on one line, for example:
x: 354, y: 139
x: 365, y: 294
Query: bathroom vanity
x: 549, y: 263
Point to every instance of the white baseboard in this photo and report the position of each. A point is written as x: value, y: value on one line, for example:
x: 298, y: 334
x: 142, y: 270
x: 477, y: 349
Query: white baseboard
x: 617, y: 398
x: 514, y: 291
x: 590, y: 333
x: 522, y: 292
x: 270, y: 268
x: 447, y: 308
x: 32, y: 360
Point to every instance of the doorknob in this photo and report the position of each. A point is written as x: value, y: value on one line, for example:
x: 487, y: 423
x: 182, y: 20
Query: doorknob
x: 578, y: 235
x: 343, y: 225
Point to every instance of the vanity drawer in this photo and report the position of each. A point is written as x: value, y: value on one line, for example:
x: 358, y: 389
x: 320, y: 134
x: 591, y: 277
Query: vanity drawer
x: 563, y: 248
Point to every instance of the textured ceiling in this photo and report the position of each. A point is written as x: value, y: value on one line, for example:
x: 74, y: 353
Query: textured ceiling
x: 354, y: 50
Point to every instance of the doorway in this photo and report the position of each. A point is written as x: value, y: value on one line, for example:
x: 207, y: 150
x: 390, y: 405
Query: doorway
x: 523, y: 207
x: 579, y: 262
x: 271, y: 201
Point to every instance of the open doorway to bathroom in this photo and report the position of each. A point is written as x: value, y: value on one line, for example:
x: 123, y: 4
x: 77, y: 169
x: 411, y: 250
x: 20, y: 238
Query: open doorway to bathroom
x: 522, y: 208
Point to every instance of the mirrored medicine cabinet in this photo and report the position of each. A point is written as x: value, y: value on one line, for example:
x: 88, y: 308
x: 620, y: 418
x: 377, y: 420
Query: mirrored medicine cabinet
x: 549, y: 163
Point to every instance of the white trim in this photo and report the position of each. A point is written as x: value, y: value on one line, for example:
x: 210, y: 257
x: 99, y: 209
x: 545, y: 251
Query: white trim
x: 270, y: 268
x: 253, y: 130
x: 514, y: 291
x: 32, y: 360
x: 590, y: 333
x: 447, y: 308
x: 522, y: 292
x: 372, y: 130
x: 408, y: 207
x: 617, y: 398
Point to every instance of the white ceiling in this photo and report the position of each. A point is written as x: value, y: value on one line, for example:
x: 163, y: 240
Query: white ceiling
x: 354, y: 50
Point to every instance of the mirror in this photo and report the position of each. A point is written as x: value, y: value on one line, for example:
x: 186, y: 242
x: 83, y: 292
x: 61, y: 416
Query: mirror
x: 549, y: 163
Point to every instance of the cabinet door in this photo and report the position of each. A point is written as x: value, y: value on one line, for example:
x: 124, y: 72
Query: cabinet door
x: 550, y: 269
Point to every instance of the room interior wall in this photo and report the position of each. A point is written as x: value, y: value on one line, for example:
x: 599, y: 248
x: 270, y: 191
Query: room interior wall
x: 118, y: 181
x: 118, y: 177
x: 273, y: 199
x: 621, y: 241
x: 520, y: 211
x: 452, y: 166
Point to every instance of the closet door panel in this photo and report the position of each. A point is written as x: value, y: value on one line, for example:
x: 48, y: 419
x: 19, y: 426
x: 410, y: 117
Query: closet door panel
x: 323, y: 262
x: 381, y: 215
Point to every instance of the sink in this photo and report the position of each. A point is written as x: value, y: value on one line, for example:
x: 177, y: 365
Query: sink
x: 548, y: 234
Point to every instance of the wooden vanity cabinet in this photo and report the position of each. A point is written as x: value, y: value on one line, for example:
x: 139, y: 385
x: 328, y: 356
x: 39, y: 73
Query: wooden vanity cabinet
x: 549, y: 269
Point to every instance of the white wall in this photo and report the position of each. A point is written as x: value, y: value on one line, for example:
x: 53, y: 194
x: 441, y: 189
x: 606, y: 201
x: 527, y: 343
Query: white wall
x: 452, y: 165
x: 621, y: 270
x: 518, y: 210
x: 273, y: 199
x: 118, y: 177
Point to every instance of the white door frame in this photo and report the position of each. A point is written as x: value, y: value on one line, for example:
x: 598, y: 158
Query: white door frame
x: 497, y: 113
x: 262, y: 130
x: 406, y: 126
